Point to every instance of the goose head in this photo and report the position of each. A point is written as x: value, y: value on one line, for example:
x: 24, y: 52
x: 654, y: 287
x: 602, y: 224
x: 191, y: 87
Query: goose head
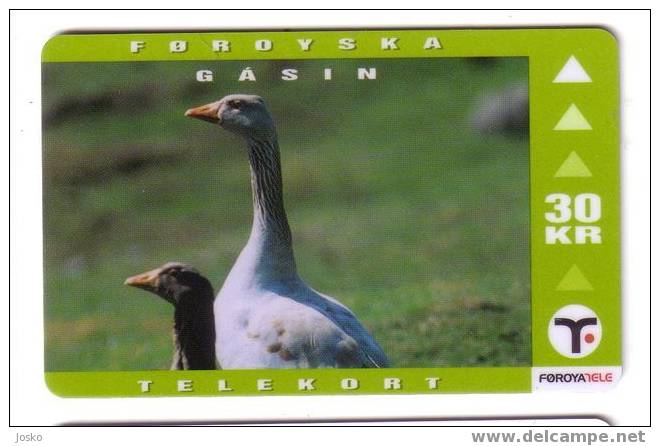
x: 175, y: 282
x: 243, y: 114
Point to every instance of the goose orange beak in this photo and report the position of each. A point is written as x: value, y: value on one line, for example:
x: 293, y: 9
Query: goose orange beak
x: 208, y: 112
x: 148, y: 280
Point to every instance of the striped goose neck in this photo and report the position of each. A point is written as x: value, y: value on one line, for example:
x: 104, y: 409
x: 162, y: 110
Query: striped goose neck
x: 270, y: 225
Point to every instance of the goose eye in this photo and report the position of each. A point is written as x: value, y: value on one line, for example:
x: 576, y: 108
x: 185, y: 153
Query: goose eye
x: 235, y: 104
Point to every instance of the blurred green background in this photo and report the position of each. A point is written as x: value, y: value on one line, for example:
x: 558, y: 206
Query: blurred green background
x: 398, y: 207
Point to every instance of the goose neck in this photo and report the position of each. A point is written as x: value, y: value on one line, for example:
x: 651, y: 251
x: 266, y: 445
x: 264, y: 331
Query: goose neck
x: 270, y: 240
x: 194, y: 335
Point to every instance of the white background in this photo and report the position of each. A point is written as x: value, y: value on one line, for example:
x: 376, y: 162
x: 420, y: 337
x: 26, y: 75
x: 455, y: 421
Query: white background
x: 31, y: 402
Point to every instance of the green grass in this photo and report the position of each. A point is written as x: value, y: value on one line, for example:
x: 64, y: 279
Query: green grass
x: 397, y: 207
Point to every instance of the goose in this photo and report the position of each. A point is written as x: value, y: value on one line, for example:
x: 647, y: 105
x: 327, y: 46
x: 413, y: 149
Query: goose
x: 192, y: 297
x: 265, y: 315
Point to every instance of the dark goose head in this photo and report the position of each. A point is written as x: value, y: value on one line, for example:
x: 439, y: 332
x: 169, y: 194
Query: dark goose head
x: 192, y: 297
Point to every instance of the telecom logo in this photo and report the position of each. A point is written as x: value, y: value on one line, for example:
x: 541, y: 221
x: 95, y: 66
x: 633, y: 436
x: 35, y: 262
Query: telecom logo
x: 575, y: 331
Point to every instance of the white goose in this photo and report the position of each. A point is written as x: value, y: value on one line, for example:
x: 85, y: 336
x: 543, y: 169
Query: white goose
x: 265, y: 315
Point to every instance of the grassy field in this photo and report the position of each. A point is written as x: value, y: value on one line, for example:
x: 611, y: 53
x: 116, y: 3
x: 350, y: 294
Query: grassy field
x: 397, y: 207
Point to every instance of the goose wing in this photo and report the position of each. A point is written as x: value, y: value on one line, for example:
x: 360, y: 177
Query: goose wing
x: 367, y: 351
x: 287, y: 334
x: 372, y: 354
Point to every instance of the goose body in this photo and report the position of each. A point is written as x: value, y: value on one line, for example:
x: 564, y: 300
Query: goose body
x: 265, y: 315
x: 289, y: 326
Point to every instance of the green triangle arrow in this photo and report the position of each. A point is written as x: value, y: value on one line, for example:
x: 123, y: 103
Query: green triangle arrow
x: 573, y: 120
x: 573, y: 166
x: 574, y: 280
